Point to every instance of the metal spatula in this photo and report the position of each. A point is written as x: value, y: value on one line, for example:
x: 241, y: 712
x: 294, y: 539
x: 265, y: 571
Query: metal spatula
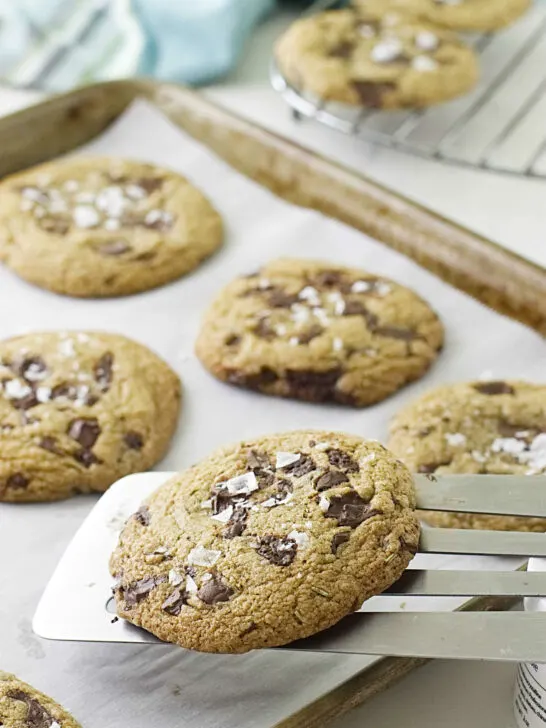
x: 82, y: 578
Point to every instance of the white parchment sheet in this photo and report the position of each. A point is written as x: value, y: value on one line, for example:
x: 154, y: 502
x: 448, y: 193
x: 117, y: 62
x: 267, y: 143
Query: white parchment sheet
x: 111, y: 686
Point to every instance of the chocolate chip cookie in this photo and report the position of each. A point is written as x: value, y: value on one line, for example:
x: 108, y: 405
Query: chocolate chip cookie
x: 21, y: 706
x: 476, y: 427
x: 319, y: 332
x: 266, y: 541
x: 78, y: 410
x: 384, y: 62
x: 104, y: 227
x: 472, y: 15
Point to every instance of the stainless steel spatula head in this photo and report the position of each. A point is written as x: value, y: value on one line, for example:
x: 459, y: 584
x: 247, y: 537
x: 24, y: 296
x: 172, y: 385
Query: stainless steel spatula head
x: 453, y: 568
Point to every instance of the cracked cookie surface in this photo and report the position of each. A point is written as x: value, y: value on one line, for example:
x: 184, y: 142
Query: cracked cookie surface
x: 460, y: 15
x: 266, y: 541
x: 378, y: 61
x: 103, y: 226
x: 78, y: 410
x: 319, y: 332
x: 21, y: 706
x: 475, y: 427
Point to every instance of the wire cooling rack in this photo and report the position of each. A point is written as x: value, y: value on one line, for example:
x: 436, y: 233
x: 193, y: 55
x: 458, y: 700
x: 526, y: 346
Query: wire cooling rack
x: 499, y: 127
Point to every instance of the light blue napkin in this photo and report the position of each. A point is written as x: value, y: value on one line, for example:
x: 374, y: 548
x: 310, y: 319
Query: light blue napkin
x: 58, y: 44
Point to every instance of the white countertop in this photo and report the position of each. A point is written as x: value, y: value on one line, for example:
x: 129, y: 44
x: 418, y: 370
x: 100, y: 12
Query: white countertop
x: 511, y: 212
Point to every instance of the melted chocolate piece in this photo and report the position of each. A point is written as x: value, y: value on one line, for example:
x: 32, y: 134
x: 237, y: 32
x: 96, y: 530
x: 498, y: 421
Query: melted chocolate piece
x: 328, y: 279
x: 221, y: 499
x: 237, y: 523
x: 84, y: 431
x: 313, y: 386
x: 24, y: 403
x: 257, y: 460
x: 264, y: 478
x: 310, y: 334
x: 342, y: 50
x: 263, y: 330
x: 55, y: 225
x: 492, y: 388
x: 133, y: 440
x: 301, y: 467
x: 50, y: 444
x: 143, y: 516
x: 215, y: 591
x: 330, y: 479
x: 277, y: 550
x: 232, y: 340
x: 252, y: 381
x: 277, y: 298
x: 343, y: 461
x: 86, y: 457
x: 349, y: 509
x: 371, y: 94
x: 251, y: 628
x: 355, y: 308
x: 17, y: 481
x: 396, y: 332
x: 139, y: 590
x: 29, y: 367
x: 173, y: 604
x: 103, y: 370
x: 37, y: 716
x: 338, y: 539
x: 65, y: 389
x: 150, y: 184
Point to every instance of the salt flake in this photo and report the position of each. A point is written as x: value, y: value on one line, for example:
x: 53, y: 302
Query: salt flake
x: 242, y: 484
x: 201, y: 556
x: 284, y: 459
x: 191, y: 585
x: 455, y: 439
x: 302, y: 539
x: 175, y: 578
x: 224, y: 516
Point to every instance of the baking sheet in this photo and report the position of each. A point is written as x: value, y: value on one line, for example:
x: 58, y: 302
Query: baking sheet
x: 109, y: 686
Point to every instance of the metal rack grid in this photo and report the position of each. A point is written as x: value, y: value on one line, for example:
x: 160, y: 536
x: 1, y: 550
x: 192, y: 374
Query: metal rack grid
x: 499, y: 127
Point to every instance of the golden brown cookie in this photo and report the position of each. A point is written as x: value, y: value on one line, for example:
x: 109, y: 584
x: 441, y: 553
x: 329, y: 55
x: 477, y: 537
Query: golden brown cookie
x: 385, y: 62
x: 266, y: 542
x: 78, y: 410
x: 21, y: 706
x: 319, y: 332
x: 475, y: 427
x: 104, y: 227
x: 471, y: 15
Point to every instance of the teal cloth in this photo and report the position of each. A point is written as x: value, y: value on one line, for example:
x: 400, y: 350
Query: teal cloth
x: 58, y: 44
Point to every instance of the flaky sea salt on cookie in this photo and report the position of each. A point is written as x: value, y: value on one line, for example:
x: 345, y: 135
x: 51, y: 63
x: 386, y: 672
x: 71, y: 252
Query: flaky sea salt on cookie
x: 266, y: 541
x: 78, y: 410
x: 489, y: 427
x: 103, y: 226
x: 319, y: 332
x: 383, y: 61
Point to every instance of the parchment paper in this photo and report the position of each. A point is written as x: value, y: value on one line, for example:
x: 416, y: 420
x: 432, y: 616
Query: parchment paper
x: 111, y: 686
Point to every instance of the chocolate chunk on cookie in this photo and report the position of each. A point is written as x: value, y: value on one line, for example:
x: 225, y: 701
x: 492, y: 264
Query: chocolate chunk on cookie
x: 22, y: 705
x: 495, y: 427
x: 78, y: 410
x: 345, y: 335
x: 103, y: 226
x: 289, y: 555
x: 375, y: 59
